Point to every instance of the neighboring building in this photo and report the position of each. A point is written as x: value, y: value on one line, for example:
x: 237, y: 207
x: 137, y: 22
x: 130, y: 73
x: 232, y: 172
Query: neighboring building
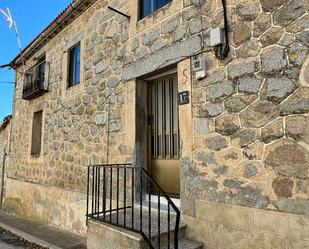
x: 5, y: 127
x: 236, y: 154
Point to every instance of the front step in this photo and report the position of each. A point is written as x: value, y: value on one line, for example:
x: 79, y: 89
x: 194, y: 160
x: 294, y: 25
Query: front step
x: 145, y: 223
x: 183, y: 242
x: 186, y: 244
x: 163, y: 202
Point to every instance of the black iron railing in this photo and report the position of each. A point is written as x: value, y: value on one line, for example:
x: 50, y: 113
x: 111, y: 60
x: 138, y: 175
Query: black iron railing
x: 122, y: 195
x: 36, y: 81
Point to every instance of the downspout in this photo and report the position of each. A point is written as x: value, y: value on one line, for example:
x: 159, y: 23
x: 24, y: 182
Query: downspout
x: 2, y: 178
x: 108, y: 132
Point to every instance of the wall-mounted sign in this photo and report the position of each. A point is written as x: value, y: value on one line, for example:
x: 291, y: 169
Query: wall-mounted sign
x: 183, y: 98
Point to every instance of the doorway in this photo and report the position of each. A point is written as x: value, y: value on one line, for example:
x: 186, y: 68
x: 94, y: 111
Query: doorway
x: 163, y: 133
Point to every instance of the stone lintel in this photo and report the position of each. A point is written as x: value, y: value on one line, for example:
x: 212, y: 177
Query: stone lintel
x: 162, y: 58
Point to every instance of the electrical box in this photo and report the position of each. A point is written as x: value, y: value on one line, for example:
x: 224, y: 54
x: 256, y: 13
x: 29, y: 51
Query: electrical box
x: 197, y: 2
x: 216, y: 36
x: 199, y: 67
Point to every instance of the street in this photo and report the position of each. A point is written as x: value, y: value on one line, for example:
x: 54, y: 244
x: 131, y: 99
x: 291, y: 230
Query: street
x: 8, y: 241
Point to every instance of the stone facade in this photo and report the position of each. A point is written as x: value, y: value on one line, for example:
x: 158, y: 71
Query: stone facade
x: 244, y: 135
x: 5, y: 127
x: 250, y: 103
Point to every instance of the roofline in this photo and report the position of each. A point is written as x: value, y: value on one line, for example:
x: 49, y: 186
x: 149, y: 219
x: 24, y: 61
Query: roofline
x: 66, y: 17
x: 5, y: 122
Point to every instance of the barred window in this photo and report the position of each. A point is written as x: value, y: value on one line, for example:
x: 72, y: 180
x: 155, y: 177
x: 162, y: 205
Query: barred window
x: 149, y: 6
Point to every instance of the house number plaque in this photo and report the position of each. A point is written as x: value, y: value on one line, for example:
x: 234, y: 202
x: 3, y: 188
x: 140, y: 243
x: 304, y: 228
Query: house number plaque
x: 183, y: 98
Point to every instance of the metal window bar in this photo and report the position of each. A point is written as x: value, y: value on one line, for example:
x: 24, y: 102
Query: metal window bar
x: 164, y: 123
x: 97, y: 184
x: 36, y: 80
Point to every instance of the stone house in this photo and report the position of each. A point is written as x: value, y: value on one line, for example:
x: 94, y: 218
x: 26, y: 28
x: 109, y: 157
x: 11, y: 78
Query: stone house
x: 5, y: 127
x: 227, y: 138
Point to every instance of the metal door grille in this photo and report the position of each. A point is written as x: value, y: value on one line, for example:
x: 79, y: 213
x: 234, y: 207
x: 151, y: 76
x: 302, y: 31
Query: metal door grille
x: 163, y: 109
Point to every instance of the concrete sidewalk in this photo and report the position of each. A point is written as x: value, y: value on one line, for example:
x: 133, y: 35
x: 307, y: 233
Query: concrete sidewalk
x: 41, y: 234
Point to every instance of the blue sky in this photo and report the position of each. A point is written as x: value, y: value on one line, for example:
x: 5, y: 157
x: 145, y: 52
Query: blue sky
x: 31, y: 16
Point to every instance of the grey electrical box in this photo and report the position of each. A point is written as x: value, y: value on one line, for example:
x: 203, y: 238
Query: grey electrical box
x: 199, y: 67
x: 197, y: 2
x: 216, y: 36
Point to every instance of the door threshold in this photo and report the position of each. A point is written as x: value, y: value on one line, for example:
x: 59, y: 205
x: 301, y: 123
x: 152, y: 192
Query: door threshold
x: 163, y: 203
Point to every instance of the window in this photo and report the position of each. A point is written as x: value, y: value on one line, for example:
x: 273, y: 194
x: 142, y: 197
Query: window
x: 149, y: 6
x: 36, y: 133
x: 74, y: 65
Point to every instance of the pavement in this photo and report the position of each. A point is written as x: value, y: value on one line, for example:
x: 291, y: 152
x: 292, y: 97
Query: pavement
x: 37, y: 233
x: 7, y: 241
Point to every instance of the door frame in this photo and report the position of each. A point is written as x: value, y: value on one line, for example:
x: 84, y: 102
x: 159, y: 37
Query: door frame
x: 140, y: 155
x: 176, y: 164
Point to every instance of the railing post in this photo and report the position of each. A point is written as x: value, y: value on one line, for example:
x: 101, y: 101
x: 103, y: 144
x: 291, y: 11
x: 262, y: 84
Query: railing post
x: 104, y: 192
x: 110, y: 194
x: 141, y: 201
x: 98, y: 192
x: 92, y: 191
x: 125, y: 195
x: 177, y: 228
x: 159, y: 221
x: 149, y: 209
x: 117, y: 196
x: 87, y: 212
x: 132, y: 197
x: 95, y: 190
x: 168, y: 226
x: 94, y: 175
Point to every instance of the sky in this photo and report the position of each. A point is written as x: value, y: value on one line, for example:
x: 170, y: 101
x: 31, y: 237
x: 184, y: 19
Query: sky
x: 31, y: 17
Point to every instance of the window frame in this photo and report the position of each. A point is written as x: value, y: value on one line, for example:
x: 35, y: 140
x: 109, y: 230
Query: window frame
x: 71, y: 69
x: 154, y: 2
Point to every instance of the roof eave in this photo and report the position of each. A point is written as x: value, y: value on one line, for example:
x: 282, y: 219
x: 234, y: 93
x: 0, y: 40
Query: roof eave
x: 52, y: 29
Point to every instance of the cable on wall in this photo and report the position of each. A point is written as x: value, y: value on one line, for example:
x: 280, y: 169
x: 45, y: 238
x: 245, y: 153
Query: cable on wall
x: 119, y: 12
x: 221, y: 51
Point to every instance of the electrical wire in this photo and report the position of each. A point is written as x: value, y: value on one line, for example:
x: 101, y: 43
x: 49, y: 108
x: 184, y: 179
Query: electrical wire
x: 4, y: 72
x: 221, y: 51
x: 7, y: 82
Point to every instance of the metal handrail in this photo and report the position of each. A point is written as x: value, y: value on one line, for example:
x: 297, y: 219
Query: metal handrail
x: 108, y: 203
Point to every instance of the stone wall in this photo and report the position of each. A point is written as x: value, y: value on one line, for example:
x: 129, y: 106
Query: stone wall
x: 227, y: 226
x: 244, y: 136
x: 4, y: 148
x: 76, y: 121
x: 93, y: 122
x: 250, y: 112
x: 250, y: 136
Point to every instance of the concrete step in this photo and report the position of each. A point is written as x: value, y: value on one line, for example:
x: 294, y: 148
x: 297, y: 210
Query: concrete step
x: 164, y: 236
x: 127, y: 220
x: 145, y: 222
x: 186, y: 244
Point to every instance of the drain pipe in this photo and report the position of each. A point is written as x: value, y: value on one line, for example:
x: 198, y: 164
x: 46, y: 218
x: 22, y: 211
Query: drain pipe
x: 2, y: 178
x: 107, y: 138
